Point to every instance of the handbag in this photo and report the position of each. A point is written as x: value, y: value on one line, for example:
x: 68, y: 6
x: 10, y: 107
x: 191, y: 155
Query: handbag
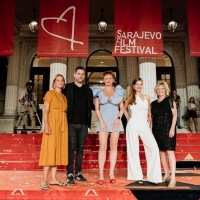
x: 187, y: 114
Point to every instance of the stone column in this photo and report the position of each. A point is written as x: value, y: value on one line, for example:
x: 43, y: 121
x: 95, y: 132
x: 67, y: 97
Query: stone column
x: 8, y: 119
x: 147, y: 71
x: 131, y: 71
x: 72, y: 64
x: 192, y: 77
x: 12, y: 81
x: 24, y: 72
x: 191, y: 74
x: 57, y: 66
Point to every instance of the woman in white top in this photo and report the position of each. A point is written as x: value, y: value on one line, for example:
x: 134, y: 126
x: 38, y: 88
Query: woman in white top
x: 192, y: 107
x: 138, y: 126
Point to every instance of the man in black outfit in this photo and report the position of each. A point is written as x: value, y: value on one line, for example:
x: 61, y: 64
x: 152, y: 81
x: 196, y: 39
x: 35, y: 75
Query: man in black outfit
x: 80, y: 105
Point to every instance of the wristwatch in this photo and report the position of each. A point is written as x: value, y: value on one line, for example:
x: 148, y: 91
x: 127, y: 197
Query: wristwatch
x: 119, y: 118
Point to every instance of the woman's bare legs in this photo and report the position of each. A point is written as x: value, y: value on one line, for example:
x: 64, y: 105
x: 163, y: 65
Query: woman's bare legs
x: 103, y: 138
x: 191, y: 123
x: 196, y: 124
x: 53, y: 175
x: 45, y: 174
x: 172, y: 163
x: 113, y: 152
x: 164, y: 161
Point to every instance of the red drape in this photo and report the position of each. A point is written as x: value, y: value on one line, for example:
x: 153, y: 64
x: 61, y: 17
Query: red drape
x: 7, y: 27
x: 63, y: 28
x: 138, y: 28
x: 193, y: 14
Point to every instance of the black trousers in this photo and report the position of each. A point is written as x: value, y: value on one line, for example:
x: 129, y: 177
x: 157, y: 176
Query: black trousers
x: 76, y: 140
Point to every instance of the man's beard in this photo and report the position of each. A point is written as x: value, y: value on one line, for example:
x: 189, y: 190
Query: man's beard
x: 79, y: 81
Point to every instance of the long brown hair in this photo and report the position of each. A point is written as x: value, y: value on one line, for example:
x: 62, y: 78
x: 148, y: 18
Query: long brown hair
x: 191, y: 99
x: 131, y: 97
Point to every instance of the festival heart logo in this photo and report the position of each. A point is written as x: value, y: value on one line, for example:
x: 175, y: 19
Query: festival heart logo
x: 60, y: 19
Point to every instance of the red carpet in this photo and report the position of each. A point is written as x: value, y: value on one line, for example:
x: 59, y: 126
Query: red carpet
x: 26, y: 185
x: 21, y: 176
x: 19, y: 185
x: 21, y: 151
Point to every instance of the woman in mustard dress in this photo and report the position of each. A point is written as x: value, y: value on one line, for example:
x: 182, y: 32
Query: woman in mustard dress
x: 54, y: 148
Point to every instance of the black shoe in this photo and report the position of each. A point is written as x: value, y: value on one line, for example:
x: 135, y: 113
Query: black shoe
x: 70, y: 179
x: 79, y: 177
x: 179, y: 127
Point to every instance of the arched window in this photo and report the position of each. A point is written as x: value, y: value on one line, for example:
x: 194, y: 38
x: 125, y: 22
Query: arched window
x: 98, y: 62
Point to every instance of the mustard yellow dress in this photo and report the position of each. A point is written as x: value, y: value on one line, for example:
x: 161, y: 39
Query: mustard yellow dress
x: 54, y: 148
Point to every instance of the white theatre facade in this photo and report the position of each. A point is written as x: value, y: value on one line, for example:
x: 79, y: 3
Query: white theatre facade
x: 177, y: 67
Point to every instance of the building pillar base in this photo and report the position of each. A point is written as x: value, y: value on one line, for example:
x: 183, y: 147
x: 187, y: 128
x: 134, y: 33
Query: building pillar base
x: 7, y: 123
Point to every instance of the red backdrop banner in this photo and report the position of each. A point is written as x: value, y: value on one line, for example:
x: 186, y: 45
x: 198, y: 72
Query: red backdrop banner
x: 63, y: 28
x: 7, y: 27
x: 193, y: 14
x: 138, y: 28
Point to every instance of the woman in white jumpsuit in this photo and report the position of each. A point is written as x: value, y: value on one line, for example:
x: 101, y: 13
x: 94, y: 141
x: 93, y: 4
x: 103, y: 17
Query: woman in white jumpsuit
x: 138, y: 126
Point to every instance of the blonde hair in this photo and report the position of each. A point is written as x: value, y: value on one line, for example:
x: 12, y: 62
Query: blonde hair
x: 56, y: 76
x: 131, y: 97
x: 165, y: 85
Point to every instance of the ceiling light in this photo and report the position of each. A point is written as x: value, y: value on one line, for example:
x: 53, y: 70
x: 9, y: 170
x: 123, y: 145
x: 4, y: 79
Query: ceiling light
x: 33, y: 24
x: 102, y: 23
x: 172, y: 23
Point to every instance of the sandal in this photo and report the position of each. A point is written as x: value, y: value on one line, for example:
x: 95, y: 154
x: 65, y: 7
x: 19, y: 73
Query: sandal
x: 44, y: 186
x: 166, y: 179
x: 140, y: 182
x: 58, y: 184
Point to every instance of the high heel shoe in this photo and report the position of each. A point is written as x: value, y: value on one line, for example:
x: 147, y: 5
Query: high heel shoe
x: 112, y: 180
x: 172, y: 185
x: 166, y: 179
x: 100, y: 182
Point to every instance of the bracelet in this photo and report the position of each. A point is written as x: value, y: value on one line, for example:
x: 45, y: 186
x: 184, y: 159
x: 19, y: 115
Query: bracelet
x: 119, y: 118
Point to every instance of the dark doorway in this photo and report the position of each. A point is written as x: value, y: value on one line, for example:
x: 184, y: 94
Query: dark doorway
x: 40, y: 77
x: 165, y: 70
x: 3, y: 79
x: 166, y: 74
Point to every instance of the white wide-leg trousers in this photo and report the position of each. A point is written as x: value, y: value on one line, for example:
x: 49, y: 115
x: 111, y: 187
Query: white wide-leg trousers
x: 151, y: 151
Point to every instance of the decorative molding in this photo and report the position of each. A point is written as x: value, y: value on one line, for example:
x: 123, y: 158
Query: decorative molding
x: 144, y: 60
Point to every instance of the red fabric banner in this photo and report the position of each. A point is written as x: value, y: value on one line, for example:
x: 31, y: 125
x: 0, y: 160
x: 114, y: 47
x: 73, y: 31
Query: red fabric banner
x: 193, y: 15
x: 7, y: 27
x: 138, y: 28
x: 63, y: 28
